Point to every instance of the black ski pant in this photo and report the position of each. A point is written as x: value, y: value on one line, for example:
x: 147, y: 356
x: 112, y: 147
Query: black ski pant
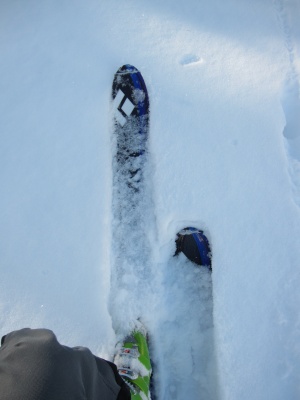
x: 35, y: 366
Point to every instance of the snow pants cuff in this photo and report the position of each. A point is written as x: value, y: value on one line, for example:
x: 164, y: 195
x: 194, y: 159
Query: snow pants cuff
x: 35, y: 366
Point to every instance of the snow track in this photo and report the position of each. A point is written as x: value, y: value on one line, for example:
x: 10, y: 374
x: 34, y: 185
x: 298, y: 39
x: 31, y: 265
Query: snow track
x: 291, y: 94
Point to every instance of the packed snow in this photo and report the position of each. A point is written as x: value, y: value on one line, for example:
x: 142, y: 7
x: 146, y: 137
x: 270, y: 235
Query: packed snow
x: 224, y: 156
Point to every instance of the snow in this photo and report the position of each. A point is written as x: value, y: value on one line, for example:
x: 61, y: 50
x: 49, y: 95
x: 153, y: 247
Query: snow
x: 223, y: 81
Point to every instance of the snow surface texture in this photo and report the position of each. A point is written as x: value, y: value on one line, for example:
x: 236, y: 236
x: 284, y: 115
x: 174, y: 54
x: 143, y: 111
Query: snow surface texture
x: 223, y: 80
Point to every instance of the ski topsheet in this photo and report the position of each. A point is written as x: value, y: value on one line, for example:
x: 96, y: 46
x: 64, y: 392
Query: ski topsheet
x: 131, y: 125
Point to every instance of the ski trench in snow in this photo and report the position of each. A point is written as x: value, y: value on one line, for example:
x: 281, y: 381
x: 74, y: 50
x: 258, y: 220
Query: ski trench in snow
x: 291, y: 102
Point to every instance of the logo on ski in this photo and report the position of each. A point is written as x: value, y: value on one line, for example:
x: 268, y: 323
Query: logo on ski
x: 123, y: 107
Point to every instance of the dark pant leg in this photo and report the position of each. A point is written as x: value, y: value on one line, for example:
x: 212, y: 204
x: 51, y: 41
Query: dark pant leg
x: 124, y: 393
x: 34, y: 366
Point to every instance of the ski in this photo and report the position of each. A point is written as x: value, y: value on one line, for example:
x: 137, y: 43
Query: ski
x: 188, y: 372
x: 130, y: 105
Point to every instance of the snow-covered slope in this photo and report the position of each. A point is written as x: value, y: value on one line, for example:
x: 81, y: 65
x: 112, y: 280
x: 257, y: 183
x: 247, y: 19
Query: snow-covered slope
x: 223, y: 80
